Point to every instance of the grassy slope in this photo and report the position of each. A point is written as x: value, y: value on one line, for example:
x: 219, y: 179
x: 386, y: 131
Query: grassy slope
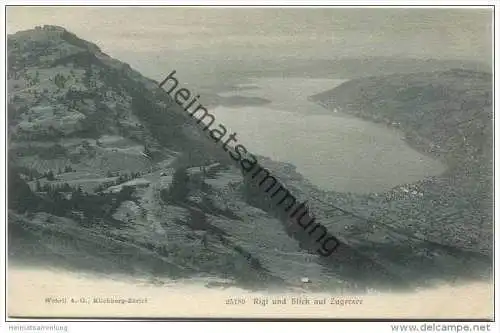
x: 124, y: 111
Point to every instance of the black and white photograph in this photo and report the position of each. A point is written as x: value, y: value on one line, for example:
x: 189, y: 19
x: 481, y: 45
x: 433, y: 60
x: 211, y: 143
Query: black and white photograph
x: 250, y: 162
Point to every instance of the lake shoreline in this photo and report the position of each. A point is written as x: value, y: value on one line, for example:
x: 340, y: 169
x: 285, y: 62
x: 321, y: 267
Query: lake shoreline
x: 409, y: 136
x: 322, y: 141
x: 432, y: 126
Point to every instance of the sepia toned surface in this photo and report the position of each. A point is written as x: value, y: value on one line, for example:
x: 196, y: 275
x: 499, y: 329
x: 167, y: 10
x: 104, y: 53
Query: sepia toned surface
x: 28, y: 296
x: 379, y: 121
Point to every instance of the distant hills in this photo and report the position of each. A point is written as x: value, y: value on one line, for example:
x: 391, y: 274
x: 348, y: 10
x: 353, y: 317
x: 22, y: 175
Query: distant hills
x: 449, y: 115
x: 214, y: 74
x: 348, y: 68
x: 224, y: 73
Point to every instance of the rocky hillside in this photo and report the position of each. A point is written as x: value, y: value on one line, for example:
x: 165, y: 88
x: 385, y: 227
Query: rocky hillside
x: 93, y: 151
x: 107, y: 175
x: 447, y: 114
x: 63, y: 87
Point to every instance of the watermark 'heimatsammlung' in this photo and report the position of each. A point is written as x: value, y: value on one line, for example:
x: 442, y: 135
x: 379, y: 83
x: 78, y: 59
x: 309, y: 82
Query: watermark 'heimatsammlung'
x: 325, y: 242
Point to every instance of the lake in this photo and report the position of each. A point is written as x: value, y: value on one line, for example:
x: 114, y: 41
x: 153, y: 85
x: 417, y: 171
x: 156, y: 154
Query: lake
x: 333, y: 150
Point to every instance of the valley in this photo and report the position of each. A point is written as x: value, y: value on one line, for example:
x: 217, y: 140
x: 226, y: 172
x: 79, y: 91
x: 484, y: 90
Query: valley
x: 107, y: 175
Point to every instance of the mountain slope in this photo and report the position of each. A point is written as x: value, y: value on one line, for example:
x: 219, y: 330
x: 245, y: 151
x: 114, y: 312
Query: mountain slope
x: 447, y: 114
x: 95, y: 144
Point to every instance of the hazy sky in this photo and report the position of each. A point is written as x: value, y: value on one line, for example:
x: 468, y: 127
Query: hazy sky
x: 139, y: 35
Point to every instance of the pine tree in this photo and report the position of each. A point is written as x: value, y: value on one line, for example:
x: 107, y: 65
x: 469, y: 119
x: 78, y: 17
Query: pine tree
x: 50, y: 175
x: 38, y: 186
x: 77, y: 196
x: 179, y: 187
x: 147, y: 151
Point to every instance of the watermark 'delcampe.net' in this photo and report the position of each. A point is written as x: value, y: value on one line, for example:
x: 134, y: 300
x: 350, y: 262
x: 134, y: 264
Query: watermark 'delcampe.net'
x: 325, y: 244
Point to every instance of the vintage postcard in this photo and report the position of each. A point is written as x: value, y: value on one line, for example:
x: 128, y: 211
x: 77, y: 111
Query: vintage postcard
x: 222, y: 162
